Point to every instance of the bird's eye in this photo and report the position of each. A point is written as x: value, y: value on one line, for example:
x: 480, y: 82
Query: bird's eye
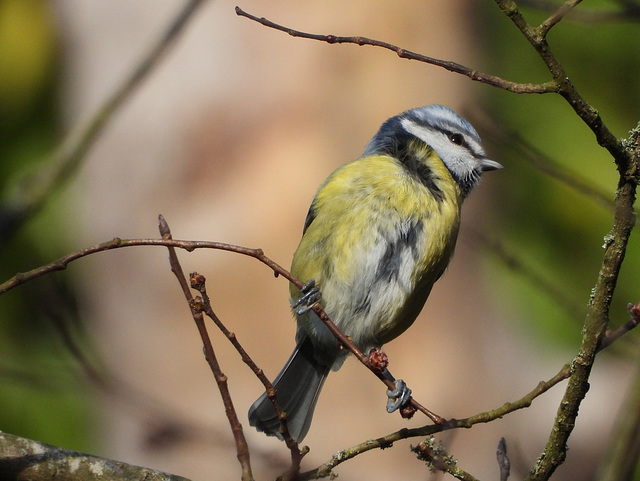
x: 456, y: 138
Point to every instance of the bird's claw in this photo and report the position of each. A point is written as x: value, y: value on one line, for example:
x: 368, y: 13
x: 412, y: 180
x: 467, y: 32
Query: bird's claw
x: 310, y: 295
x: 398, y: 397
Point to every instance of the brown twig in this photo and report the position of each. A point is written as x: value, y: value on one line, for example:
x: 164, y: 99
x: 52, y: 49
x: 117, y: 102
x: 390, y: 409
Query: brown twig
x: 117, y: 243
x: 346, y: 342
x: 196, y: 305
x: 515, y: 87
x: 258, y: 254
x: 537, y: 37
x: 485, y: 417
x: 198, y: 282
x: 632, y: 323
x: 388, y: 440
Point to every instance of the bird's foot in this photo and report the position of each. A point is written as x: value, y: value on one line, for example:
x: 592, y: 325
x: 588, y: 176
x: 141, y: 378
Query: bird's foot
x: 398, y: 397
x: 310, y: 295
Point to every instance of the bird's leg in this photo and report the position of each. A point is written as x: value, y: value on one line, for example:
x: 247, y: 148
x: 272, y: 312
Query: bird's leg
x: 399, y: 396
x: 310, y: 295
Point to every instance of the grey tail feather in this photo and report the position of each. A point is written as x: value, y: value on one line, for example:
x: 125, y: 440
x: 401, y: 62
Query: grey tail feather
x: 297, y: 388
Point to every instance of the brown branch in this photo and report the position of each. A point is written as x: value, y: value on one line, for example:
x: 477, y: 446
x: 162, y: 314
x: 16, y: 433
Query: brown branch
x: 258, y: 254
x: 542, y: 88
x: 388, y: 440
x: 196, y: 306
x: 346, y: 342
x: 198, y: 282
x: 117, y: 243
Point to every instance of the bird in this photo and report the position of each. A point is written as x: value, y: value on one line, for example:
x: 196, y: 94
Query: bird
x: 379, y: 233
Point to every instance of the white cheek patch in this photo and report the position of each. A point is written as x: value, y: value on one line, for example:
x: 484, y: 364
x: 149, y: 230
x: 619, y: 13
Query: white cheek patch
x: 425, y: 134
x: 451, y: 154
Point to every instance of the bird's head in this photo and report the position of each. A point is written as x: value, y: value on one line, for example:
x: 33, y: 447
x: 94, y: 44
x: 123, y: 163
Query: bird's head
x: 454, y: 140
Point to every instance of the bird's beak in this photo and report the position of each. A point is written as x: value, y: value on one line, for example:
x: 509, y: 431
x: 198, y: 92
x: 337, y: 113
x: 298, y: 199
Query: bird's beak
x: 488, y: 164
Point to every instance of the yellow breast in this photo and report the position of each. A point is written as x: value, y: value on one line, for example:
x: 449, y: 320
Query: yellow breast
x: 379, y: 237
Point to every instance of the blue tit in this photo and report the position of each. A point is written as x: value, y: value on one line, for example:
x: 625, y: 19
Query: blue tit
x: 380, y: 232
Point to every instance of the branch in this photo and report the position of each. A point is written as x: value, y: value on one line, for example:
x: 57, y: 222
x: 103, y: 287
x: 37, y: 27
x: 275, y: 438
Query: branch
x: 629, y: 12
x: 435, y: 455
x: 387, y: 441
x: 558, y: 15
x: 536, y: 36
x: 596, y: 322
x: 117, y: 243
x: 196, y: 306
x: 198, y: 282
x: 22, y: 458
x: 543, y: 88
x: 616, y: 241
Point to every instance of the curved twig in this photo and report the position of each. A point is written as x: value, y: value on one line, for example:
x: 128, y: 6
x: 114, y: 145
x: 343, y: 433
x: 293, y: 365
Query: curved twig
x: 515, y: 87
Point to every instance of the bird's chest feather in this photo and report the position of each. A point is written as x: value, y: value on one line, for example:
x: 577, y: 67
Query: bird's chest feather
x: 378, y: 241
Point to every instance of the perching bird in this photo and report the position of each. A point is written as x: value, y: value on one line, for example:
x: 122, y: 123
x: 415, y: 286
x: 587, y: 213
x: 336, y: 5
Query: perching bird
x: 379, y: 233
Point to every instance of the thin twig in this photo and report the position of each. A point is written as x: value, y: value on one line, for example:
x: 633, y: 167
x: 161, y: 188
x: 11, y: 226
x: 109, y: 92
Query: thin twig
x: 437, y: 458
x: 629, y: 12
x: 258, y: 254
x: 536, y: 36
x: 196, y: 306
x: 515, y: 87
x: 360, y: 356
x: 558, y: 15
x: 198, y: 282
x: 632, y: 323
x: 117, y: 243
x: 485, y: 417
x: 388, y: 440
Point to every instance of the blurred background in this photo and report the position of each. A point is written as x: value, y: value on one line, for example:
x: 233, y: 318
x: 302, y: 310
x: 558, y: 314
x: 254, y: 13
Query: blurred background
x: 229, y: 138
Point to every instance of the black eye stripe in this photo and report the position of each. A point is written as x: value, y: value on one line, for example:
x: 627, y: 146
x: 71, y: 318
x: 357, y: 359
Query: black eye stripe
x: 461, y: 140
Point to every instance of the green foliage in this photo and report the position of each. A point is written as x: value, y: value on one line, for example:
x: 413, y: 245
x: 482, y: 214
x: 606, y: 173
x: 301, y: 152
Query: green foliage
x: 42, y: 394
x: 554, y: 230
